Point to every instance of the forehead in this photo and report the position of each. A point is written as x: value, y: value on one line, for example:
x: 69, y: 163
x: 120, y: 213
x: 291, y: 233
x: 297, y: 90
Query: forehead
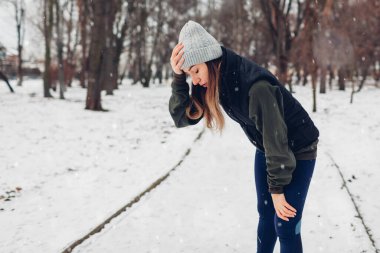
x: 191, y: 68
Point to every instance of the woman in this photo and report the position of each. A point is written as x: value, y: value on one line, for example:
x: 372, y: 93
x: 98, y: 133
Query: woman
x: 284, y: 135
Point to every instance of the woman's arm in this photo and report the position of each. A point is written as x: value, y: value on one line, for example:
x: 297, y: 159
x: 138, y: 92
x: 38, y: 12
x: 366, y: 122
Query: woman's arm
x: 179, y: 101
x: 266, y: 110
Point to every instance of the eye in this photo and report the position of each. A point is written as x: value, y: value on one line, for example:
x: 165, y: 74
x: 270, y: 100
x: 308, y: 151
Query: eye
x: 196, y: 72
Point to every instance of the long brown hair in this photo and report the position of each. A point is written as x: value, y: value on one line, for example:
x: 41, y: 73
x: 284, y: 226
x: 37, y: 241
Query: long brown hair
x: 205, y: 101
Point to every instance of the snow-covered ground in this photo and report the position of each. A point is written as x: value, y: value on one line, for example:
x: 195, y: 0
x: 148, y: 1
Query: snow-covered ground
x: 64, y: 170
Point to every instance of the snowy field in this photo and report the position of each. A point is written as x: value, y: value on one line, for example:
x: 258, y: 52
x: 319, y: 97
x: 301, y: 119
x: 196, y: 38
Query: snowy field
x: 64, y: 170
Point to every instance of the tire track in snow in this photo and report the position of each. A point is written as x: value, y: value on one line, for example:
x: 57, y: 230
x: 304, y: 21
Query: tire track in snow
x: 136, y: 199
x: 359, y: 214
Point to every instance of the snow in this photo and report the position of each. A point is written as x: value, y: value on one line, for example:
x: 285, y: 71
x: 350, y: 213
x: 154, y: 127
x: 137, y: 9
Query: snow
x: 76, y: 168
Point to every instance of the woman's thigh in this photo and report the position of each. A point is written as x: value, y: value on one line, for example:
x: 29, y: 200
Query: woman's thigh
x: 295, y: 194
x: 264, y: 199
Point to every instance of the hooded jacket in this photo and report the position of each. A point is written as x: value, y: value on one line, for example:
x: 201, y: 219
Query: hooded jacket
x: 272, y: 119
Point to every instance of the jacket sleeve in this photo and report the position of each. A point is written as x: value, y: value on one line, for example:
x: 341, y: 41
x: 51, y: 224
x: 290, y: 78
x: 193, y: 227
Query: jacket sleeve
x: 179, y: 101
x: 266, y: 110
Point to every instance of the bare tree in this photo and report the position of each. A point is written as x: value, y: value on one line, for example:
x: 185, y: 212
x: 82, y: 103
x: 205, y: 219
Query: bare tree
x: 19, y: 7
x: 5, y: 79
x: 149, y: 28
x: 71, y: 56
x: 362, y: 21
x: 123, y: 21
x: 96, y: 55
x: 302, y: 52
x: 235, y: 14
x: 108, y: 73
x: 325, y: 21
x: 283, y: 30
x: 59, y: 40
x: 84, y: 13
x: 48, y: 30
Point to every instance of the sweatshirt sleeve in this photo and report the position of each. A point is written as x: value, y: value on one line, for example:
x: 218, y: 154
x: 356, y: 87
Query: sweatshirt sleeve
x: 266, y: 110
x: 179, y: 101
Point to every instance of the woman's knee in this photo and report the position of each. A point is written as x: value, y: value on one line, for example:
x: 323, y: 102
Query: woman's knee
x: 288, y: 229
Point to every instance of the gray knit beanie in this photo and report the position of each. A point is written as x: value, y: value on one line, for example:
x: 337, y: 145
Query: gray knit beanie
x: 199, y: 45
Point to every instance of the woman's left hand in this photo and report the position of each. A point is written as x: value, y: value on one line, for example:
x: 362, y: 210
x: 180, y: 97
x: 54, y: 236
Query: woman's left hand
x: 283, y: 208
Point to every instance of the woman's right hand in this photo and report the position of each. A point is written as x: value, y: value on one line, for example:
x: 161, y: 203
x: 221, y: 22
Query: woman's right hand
x: 176, y: 60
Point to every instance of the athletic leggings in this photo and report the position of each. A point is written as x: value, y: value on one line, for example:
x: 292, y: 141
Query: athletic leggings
x: 270, y: 225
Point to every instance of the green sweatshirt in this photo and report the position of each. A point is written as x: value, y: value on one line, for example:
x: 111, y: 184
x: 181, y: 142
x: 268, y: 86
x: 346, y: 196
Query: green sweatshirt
x: 179, y: 101
x: 267, y: 112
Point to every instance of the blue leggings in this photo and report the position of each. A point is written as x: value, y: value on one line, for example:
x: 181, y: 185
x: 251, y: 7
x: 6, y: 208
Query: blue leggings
x: 270, y: 225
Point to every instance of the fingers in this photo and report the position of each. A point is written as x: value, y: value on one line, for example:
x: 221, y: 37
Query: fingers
x: 281, y: 216
x: 178, y: 57
x: 283, y: 212
x: 290, y: 207
x: 176, y: 49
x: 286, y: 212
x: 179, y: 64
x: 282, y: 207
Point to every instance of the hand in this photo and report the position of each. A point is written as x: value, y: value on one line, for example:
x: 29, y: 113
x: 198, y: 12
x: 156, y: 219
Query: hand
x: 176, y: 60
x: 283, y: 209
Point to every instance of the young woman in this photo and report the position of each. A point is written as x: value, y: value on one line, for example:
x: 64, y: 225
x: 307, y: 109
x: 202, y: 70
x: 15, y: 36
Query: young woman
x: 274, y: 121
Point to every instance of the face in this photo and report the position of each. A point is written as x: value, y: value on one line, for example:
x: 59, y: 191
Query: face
x: 198, y: 74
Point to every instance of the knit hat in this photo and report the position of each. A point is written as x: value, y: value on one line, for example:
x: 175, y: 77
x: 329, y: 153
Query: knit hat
x: 199, y: 45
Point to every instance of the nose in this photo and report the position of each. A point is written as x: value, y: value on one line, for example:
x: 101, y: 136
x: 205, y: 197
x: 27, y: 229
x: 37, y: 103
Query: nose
x: 196, y: 80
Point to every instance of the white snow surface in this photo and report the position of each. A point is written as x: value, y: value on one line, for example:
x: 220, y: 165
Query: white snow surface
x: 75, y: 168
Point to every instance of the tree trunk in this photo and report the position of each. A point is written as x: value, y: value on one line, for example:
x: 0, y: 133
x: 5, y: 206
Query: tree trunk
x: 145, y: 60
x: 3, y: 77
x: 322, y: 88
x: 364, y: 77
x: 331, y: 76
x: 58, y: 24
x: 83, y: 14
x: 48, y: 26
x: 109, y: 73
x: 352, y: 93
x: 20, y: 25
x: 341, y: 79
x: 121, y: 77
x: 119, y: 44
x: 305, y: 74
x: 96, y: 60
x: 156, y: 37
x: 70, y: 65
x: 314, y: 88
x: 298, y: 74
